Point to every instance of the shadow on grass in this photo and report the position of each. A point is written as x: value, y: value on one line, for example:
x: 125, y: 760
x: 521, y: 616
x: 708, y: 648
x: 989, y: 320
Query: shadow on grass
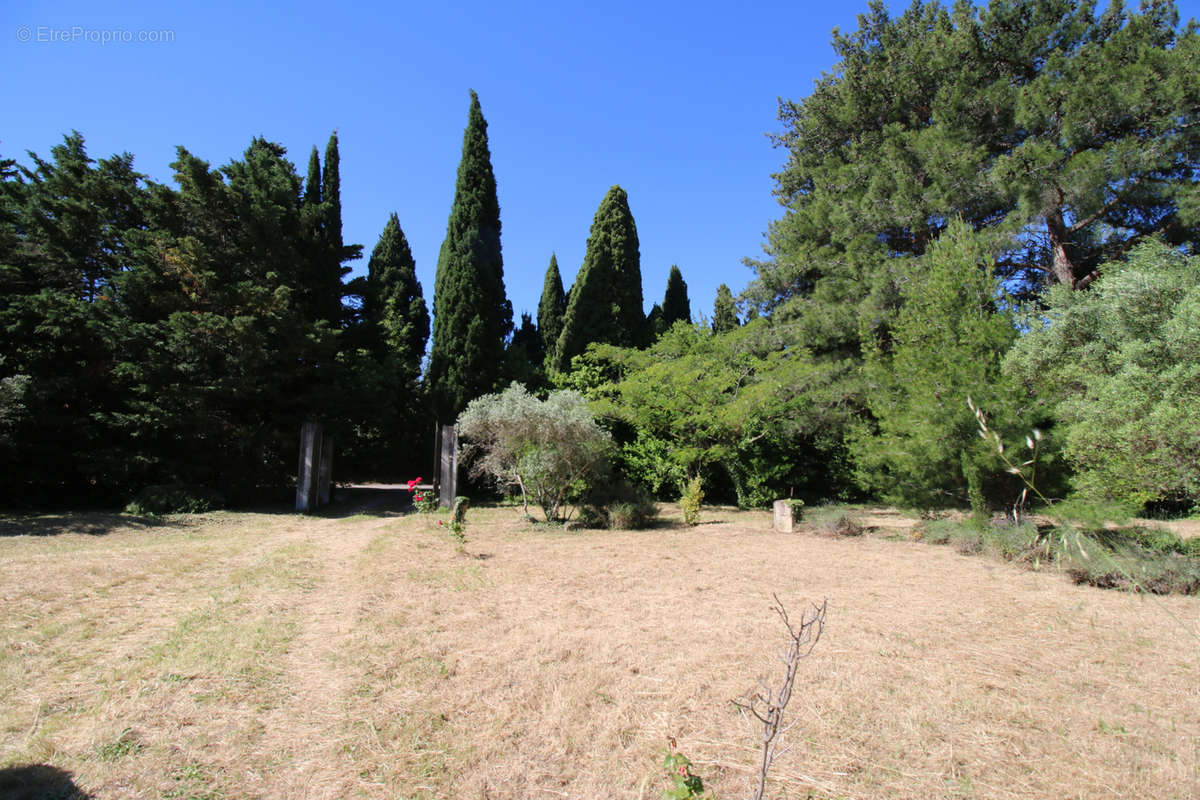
x: 88, y: 523
x: 39, y: 782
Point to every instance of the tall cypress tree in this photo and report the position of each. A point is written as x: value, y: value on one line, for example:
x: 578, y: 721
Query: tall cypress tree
x: 394, y: 305
x: 551, y: 308
x: 330, y: 270
x: 472, y: 317
x: 725, y: 317
x: 606, y: 301
x: 312, y: 183
x: 676, y: 306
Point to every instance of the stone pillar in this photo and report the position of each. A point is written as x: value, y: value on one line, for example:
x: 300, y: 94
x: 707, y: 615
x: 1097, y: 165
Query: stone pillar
x: 447, y: 467
x: 436, y: 479
x: 325, y: 471
x: 784, y: 516
x: 311, y: 434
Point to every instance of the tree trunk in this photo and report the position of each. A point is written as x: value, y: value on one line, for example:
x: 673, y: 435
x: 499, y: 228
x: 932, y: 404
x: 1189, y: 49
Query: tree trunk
x: 1062, y: 268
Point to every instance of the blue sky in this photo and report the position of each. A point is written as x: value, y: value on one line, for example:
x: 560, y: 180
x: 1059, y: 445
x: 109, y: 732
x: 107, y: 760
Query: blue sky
x: 673, y: 102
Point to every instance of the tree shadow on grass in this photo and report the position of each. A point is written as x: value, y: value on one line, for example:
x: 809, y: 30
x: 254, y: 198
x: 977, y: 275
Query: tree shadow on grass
x: 89, y: 523
x: 39, y: 782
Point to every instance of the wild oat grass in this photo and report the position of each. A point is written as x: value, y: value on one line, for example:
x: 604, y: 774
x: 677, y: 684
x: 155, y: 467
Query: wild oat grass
x: 269, y: 656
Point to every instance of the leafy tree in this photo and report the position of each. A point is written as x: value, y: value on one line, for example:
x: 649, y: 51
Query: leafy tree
x: 551, y: 308
x: 549, y: 449
x: 675, y: 306
x: 749, y: 404
x: 725, y: 316
x: 1061, y: 137
x: 1121, y: 366
x: 472, y: 317
x: 947, y: 344
x: 606, y: 300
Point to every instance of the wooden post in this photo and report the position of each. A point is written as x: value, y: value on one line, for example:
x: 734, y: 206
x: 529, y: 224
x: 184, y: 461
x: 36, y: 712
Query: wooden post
x: 306, y: 475
x: 447, y: 467
x: 325, y: 471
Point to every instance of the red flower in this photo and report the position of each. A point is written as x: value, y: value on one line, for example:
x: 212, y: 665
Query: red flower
x: 413, y: 483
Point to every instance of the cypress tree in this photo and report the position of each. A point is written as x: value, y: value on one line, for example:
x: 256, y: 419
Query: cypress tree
x: 551, y: 308
x: 675, y: 305
x: 654, y: 322
x: 605, y: 304
x: 725, y: 316
x: 472, y: 317
x: 335, y: 252
x: 312, y: 183
x: 394, y: 305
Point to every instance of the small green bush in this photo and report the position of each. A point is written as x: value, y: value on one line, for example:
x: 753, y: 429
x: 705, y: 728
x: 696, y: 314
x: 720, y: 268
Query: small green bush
x: 174, y: 498
x: 690, y: 499
x: 618, y: 506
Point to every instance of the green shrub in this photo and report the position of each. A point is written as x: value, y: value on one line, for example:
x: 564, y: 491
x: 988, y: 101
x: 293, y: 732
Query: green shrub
x: 174, y: 498
x: 618, y: 506
x: 690, y: 499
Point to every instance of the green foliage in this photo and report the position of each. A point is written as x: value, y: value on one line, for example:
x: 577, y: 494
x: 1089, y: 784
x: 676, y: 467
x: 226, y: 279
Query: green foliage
x: 947, y: 342
x: 551, y: 450
x: 605, y: 303
x: 619, y: 506
x: 749, y: 403
x: 725, y: 315
x: 675, y: 306
x: 472, y: 317
x: 551, y: 308
x: 1120, y: 364
x: 174, y: 498
x: 690, y: 498
x: 525, y: 357
x: 684, y: 785
x: 1060, y: 136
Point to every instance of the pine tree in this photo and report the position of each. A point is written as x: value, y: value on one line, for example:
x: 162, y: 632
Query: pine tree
x: 725, y: 316
x: 472, y: 317
x: 551, y: 308
x: 675, y: 305
x: 605, y: 304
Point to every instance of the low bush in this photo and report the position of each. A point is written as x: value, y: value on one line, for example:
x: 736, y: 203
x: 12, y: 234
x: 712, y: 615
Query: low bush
x: 841, y: 527
x: 1133, y: 558
x: 618, y: 506
x: 174, y: 498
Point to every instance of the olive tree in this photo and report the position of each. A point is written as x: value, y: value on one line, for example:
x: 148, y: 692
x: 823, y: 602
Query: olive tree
x: 549, y: 449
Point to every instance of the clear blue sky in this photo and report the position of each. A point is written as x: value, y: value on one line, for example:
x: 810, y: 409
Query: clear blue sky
x: 671, y: 102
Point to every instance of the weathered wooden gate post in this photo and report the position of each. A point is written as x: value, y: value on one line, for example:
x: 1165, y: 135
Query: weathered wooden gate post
x: 307, y: 497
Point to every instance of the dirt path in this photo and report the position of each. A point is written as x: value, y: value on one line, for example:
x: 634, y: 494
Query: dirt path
x: 317, y: 673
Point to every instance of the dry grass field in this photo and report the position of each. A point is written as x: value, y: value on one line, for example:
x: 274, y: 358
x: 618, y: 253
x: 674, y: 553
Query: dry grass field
x: 242, y: 655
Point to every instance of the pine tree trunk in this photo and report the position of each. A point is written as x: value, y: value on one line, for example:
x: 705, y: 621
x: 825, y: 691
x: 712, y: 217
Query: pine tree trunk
x: 1062, y: 268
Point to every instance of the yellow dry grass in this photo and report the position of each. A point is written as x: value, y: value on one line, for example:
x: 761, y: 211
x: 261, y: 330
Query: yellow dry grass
x: 273, y: 656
